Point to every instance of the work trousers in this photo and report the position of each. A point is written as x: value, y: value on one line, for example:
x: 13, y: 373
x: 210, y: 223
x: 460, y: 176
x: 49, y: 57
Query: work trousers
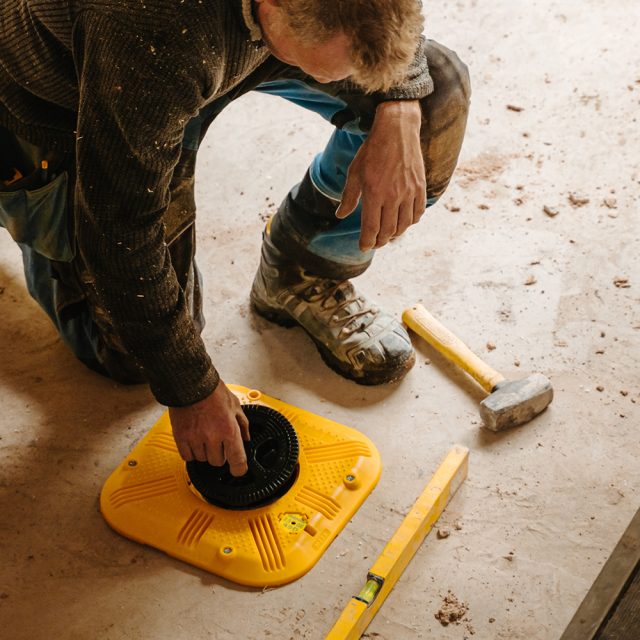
x: 38, y: 210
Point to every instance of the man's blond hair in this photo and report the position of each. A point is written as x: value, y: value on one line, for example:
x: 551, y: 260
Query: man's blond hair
x: 384, y: 33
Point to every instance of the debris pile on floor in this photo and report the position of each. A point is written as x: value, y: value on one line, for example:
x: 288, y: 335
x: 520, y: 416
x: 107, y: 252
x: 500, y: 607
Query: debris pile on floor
x: 452, y: 610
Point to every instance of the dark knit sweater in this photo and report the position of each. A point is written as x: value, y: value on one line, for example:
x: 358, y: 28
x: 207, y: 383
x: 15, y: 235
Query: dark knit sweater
x: 118, y: 80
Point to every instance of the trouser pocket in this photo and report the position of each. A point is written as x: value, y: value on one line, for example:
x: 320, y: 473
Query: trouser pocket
x: 34, y: 185
x: 38, y: 217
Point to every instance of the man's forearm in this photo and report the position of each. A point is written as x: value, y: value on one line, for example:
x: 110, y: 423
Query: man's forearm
x: 408, y: 110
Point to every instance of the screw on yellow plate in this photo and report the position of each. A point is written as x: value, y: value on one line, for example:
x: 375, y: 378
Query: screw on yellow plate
x: 389, y: 566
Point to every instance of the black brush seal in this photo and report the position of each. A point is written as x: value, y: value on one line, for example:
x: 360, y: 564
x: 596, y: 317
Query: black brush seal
x: 272, y: 458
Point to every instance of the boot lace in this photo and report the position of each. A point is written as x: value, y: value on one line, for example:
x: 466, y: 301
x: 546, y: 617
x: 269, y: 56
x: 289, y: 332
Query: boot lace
x: 339, y: 301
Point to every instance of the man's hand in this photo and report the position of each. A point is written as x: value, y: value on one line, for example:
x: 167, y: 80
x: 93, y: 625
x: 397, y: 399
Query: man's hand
x: 212, y: 430
x: 388, y: 173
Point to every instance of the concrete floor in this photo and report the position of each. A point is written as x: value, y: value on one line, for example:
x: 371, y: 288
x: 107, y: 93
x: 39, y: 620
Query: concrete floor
x: 544, y: 504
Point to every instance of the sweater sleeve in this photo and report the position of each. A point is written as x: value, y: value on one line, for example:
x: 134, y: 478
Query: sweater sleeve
x: 417, y: 82
x: 136, y: 96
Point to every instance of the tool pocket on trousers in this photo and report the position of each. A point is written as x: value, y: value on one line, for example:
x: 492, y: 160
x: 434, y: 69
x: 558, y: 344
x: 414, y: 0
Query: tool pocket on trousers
x: 38, y: 218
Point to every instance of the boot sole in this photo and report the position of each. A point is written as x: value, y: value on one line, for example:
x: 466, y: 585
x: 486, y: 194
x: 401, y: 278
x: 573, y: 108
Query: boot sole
x: 367, y: 378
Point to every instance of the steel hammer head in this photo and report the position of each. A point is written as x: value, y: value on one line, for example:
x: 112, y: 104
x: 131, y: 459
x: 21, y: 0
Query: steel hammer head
x: 515, y: 402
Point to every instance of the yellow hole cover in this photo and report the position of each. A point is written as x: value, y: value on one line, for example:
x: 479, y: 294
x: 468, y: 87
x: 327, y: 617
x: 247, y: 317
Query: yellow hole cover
x: 148, y: 498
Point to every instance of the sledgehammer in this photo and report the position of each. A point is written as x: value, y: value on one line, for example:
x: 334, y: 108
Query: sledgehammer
x: 510, y: 402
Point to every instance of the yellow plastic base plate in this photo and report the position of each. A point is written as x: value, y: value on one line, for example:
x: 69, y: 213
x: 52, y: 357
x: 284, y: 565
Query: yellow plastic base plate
x: 148, y: 498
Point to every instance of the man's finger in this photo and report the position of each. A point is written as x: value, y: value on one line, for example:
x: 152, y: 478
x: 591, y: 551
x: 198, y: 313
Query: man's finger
x: 419, y: 207
x: 199, y: 451
x: 184, y: 450
x: 370, y: 224
x: 405, y: 218
x: 215, y: 454
x: 388, y: 225
x: 243, y: 421
x: 236, y: 457
x: 350, y: 197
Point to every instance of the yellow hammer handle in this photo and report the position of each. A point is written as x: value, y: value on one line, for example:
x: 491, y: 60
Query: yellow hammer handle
x: 440, y: 338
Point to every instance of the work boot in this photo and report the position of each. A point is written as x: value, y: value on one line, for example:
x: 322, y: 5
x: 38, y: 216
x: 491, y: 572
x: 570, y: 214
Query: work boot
x: 354, y: 337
